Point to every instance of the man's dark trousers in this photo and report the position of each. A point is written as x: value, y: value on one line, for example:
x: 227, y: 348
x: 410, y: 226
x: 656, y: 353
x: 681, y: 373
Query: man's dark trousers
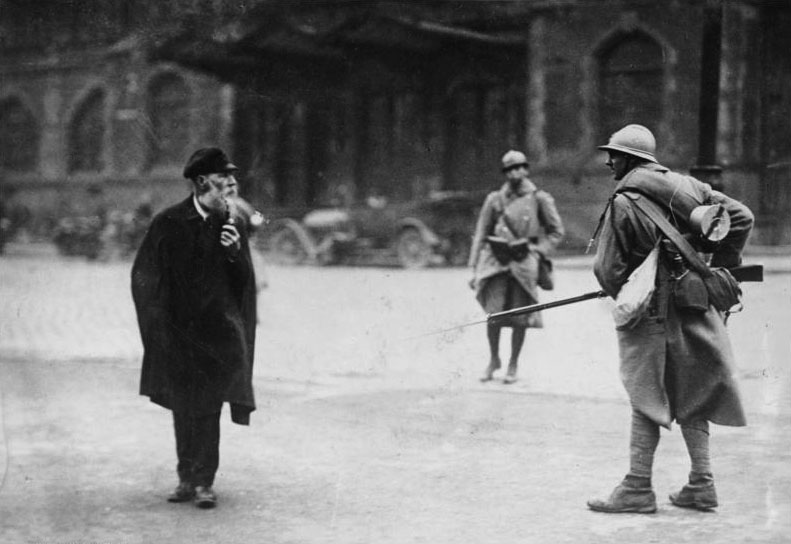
x: 197, y: 447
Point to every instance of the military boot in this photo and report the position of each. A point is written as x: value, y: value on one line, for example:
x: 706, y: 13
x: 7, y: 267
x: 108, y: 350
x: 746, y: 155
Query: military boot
x: 510, y: 375
x: 699, y: 493
x: 494, y: 366
x: 632, y: 495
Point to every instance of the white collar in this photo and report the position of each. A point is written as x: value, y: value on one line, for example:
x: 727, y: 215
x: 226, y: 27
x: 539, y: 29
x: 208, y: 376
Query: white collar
x: 203, y: 213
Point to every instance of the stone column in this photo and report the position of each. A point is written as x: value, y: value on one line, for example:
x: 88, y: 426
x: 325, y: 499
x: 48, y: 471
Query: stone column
x: 707, y: 169
x: 227, y: 101
x: 53, y: 151
x: 535, y: 120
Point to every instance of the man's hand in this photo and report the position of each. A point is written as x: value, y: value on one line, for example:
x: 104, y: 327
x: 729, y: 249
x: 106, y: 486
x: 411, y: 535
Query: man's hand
x: 471, y: 283
x: 230, y: 239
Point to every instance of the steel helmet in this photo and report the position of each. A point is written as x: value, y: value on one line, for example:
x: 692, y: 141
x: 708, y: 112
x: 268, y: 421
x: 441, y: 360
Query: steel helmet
x: 514, y: 158
x: 633, y: 140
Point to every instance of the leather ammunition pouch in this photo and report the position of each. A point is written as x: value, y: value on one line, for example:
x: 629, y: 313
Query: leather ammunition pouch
x: 723, y: 289
x: 694, y: 293
x: 690, y: 294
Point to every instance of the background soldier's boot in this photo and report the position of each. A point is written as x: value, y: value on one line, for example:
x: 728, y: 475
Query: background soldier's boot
x: 699, y: 493
x: 632, y: 495
x: 488, y: 374
x: 510, y: 376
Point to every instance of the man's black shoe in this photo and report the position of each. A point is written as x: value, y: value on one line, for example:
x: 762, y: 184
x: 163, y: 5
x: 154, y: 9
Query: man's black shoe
x: 205, y: 497
x: 184, y: 492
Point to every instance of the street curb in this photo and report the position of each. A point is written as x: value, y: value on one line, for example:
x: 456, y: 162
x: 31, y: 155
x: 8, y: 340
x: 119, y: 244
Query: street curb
x: 776, y: 259
x: 774, y: 262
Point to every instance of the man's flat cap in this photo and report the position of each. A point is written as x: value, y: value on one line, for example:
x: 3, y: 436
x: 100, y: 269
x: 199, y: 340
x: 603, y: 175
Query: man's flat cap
x: 208, y: 160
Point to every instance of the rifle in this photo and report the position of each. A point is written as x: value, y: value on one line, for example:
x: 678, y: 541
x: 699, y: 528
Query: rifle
x: 544, y: 305
x: 750, y: 272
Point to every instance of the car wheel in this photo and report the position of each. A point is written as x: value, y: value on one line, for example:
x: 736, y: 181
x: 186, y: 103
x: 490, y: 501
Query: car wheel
x: 458, y: 249
x: 413, y: 251
x: 287, y: 248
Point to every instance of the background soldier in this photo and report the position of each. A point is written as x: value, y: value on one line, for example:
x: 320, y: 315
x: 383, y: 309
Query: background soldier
x: 517, y: 213
x: 194, y: 290
x: 675, y: 364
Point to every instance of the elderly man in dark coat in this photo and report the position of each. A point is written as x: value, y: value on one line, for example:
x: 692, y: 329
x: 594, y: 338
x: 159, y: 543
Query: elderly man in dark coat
x: 675, y: 364
x: 194, y: 291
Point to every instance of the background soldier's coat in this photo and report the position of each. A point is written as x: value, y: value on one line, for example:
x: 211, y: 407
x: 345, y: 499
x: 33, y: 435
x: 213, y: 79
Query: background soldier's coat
x: 532, y: 214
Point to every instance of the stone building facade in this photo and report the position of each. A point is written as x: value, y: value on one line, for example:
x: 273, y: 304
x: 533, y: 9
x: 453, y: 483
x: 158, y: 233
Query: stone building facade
x: 321, y: 102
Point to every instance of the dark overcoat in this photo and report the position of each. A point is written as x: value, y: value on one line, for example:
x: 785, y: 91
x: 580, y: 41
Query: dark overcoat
x: 524, y: 213
x: 196, y: 309
x: 674, y: 365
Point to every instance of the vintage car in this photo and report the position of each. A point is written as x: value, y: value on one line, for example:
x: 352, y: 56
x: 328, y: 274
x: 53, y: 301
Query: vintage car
x: 433, y: 231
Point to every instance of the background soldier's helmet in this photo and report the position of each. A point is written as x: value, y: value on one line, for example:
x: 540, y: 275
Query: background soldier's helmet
x: 635, y: 140
x: 514, y: 158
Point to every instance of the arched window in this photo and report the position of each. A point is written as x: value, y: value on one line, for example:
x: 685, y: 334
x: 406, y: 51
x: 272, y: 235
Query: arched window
x: 631, y: 83
x: 86, y: 135
x: 168, y: 112
x: 19, y: 136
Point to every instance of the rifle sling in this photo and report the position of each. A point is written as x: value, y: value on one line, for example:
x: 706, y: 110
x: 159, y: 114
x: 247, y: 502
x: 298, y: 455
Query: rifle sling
x: 651, y: 210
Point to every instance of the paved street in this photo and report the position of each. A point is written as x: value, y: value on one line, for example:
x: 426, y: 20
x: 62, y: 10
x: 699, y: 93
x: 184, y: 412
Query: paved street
x: 367, y: 431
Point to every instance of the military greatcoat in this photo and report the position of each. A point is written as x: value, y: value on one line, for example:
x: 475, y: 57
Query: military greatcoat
x: 526, y: 212
x: 674, y: 365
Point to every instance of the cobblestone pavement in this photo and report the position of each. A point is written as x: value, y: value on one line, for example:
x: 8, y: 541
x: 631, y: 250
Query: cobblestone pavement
x: 366, y: 431
x: 330, y: 324
x: 65, y: 309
